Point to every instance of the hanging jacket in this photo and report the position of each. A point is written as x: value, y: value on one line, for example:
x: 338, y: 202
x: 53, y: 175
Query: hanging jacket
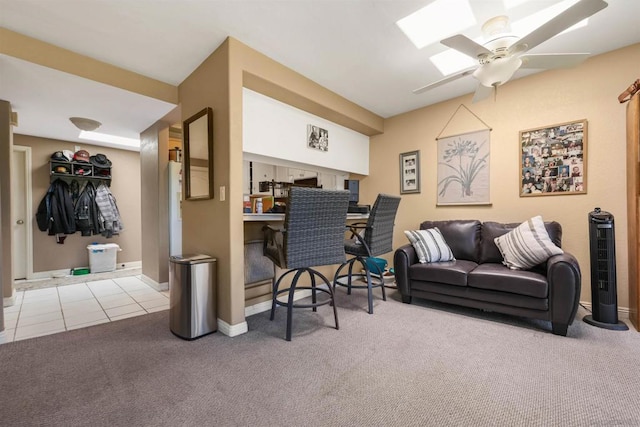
x: 74, y: 187
x: 86, y: 212
x: 108, y: 208
x: 82, y: 210
x: 43, y: 214
x: 94, y: 211
x: 63, y: 217
x: 55, y: 212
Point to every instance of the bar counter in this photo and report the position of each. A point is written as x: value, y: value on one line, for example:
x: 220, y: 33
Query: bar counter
x: 280, y: 217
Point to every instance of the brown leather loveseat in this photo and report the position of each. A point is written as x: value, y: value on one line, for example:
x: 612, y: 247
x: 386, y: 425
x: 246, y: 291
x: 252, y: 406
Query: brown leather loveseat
x: 477, y: 278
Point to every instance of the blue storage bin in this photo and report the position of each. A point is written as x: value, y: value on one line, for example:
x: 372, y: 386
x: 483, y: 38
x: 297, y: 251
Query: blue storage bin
x: 374, y: 263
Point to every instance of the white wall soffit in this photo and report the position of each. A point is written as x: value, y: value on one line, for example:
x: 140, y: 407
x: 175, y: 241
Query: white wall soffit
x: 277, y: 130
x: 45, y: 98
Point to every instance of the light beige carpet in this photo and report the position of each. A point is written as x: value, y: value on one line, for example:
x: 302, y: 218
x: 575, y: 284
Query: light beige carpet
x: 405, y: 365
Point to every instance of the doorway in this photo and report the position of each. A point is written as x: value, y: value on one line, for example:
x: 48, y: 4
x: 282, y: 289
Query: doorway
x: 21, y: 209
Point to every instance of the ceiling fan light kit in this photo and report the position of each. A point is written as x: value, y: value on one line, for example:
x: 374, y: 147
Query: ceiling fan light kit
x: 502, y: 53
x: 498, y: 71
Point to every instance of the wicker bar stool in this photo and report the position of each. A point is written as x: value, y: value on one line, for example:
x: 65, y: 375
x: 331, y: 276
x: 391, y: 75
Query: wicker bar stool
x: 377, y: 240
x: 313, y: 235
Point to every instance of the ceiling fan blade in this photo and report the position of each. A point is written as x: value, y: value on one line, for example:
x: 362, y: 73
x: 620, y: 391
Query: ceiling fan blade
x: 482, y: 92
x: 553, y: 60
x: 466, y: 45
x: 576, y: 13
x: 447, y: 79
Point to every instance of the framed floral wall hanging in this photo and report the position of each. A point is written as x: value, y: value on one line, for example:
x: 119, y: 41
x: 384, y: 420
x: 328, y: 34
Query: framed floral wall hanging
x: 463, y: 169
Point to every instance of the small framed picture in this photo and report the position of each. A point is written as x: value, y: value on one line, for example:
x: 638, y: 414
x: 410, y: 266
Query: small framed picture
x: 317, y: 138
x: 410, y: 172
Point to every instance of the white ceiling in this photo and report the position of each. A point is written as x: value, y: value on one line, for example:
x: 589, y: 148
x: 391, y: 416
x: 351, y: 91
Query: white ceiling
x: 45, y: 99
x: 352, y: 47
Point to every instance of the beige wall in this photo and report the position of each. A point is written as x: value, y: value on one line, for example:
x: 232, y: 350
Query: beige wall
x: 216, y: 228
x: 205, y: 223
x: 125, y: 186
x: 6, y: 224
x: 587, y: 92
x: 154, y: 203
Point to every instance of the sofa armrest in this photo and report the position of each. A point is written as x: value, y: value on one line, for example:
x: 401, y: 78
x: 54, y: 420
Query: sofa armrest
x: 564, y: 278
x: 403, y: 258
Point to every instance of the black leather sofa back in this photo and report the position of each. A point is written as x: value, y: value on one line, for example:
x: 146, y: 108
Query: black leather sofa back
x: 489, y: 252
x: 473, y: 240
x: 462, y: 236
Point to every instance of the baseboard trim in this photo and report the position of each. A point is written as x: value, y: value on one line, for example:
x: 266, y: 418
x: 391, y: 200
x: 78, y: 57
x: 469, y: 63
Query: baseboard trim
x: 623, y: 312
x: 50, y: 274
x: 9, y: 301
x: 67, y: 271
x: 257, y: 308
x: 132, y: 264
x: 160, y: 287
x: 232, y: 330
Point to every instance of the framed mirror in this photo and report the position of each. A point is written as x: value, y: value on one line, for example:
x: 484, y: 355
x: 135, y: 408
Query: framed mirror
x: 198, y: 155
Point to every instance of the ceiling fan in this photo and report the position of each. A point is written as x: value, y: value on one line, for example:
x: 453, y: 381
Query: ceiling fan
x: 503, y: 54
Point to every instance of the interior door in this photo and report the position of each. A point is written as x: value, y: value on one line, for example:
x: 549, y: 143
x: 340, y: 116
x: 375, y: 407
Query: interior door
x: 19, y: 210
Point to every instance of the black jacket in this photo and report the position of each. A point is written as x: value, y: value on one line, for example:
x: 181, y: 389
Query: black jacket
x: 86, y: 211
x: 55, y: 212
x: 43, y: 214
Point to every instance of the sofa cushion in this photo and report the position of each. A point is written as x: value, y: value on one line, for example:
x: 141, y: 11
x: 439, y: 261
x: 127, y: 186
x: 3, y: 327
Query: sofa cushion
x: 429, y: 245
x: 462, y: 236
x: 527, y: 245
x: 451, y: 272
x: 497, y: 277
x: 489, y: 251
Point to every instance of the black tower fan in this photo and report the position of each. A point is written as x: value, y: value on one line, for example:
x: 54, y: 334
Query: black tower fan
x: 604, y: 298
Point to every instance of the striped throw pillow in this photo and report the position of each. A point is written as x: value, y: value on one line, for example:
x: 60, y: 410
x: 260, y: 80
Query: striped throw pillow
x: 430, y: 245
x: 527, y: 245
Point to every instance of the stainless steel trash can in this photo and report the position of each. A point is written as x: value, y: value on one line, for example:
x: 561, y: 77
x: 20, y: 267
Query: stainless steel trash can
x: 192, y: 295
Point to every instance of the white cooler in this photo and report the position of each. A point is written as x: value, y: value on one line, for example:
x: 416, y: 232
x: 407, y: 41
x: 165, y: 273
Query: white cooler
x: 102, y: 257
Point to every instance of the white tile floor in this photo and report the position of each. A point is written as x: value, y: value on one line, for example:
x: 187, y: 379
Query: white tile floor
x: 47, y: 311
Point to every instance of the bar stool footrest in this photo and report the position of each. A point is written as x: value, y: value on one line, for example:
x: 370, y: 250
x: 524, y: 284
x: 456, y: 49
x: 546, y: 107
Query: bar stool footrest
x: 310, y: 305
x: 375, y: 281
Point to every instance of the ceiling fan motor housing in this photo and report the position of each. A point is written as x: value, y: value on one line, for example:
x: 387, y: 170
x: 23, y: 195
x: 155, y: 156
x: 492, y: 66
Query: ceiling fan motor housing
x: 499, y: 46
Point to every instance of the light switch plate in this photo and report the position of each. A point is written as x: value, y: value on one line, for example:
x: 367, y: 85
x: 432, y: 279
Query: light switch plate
x: 222, y: 193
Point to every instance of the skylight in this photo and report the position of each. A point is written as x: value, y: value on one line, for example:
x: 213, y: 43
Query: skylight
x: 113, y: 139
x: 451, y: 61
x: 510, y: 4
x: 526, y: 25
x: 436, y: 21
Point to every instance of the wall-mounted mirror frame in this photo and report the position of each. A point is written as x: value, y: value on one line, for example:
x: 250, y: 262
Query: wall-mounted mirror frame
x: 198, y: 155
